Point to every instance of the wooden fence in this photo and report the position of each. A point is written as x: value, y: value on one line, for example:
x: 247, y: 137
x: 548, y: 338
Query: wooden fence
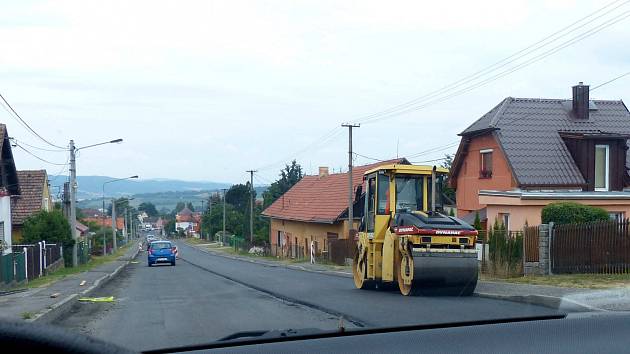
x: 530, y: 243
x: 599, y: 247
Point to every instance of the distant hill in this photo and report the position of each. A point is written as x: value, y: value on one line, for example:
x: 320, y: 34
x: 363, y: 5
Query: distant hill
x: 92, y: 186
x: 165, y: 199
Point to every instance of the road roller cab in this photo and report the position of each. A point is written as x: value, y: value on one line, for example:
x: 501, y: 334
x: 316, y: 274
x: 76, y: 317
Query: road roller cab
x: 404, y: 240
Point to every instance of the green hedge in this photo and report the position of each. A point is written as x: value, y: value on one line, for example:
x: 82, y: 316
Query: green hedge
x: 572, y: 213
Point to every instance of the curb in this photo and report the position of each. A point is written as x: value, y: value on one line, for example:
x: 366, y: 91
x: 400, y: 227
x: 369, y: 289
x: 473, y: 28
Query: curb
x: 272, y: 263
x: 56, y: 310
x: 539, y: 300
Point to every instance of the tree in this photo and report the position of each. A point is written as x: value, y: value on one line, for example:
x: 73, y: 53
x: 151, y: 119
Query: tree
x: 122, y: 204
x: 190, y: 206
x: 148, y: 208
x: 49, y: 226
x: 212, y: 220
x: 239, y: 196
x: 447, y: 190
x: 289, y: 176
x: 179, y: 207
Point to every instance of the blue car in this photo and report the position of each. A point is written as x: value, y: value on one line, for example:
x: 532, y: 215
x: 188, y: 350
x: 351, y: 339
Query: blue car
x: 161, y: 252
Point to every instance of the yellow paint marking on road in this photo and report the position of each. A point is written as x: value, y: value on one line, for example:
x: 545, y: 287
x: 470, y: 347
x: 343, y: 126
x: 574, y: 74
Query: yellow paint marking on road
x: 55, y: 295
x: 82, y: 283
x: 134, y: 262
x: 97, y: 299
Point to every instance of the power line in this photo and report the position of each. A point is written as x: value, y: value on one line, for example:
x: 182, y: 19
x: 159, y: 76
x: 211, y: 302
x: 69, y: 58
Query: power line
x: 368, y: 157
x: 583, y: 35
x: 609, y: 81
x: 39, y: 158
x: 501, y: 63
x: 323, y: 139
x: 435, y: 149
x: 19, y: 118
x: 37, y: 147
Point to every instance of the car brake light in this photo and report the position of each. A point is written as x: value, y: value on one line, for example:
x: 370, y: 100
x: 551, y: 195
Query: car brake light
x: 174, y: 249
x: 150, y: 251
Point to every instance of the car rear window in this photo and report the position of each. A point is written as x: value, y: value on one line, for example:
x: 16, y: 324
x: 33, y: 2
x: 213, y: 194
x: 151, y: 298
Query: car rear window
x: 160, y: 245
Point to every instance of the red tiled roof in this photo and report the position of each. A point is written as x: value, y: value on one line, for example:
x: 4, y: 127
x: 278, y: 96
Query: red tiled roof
x: 31, y: 199
x: 107, y: 222
x: 315, y: 199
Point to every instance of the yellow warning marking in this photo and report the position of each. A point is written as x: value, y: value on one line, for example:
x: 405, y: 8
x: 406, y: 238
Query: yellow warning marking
x: 97, y: 299
x: 82, y: 283
x: 134, y: 262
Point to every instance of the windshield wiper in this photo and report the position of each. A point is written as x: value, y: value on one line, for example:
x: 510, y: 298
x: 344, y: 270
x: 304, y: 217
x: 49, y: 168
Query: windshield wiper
x: 275, y: 336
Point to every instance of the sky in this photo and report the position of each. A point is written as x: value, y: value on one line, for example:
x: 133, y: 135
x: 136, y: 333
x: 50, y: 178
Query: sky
x: 205, y: 90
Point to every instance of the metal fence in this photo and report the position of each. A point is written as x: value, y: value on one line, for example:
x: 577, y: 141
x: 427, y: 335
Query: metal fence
x: 35, y: 259
x: 530, y: 243
x: 12, y: 267
x: 600, y: 247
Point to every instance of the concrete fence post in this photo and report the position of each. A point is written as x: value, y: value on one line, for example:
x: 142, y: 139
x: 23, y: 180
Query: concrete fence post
x: 543, y: 249
x: 549, y: 245
x: 45, y: 254
x: 25, y: 264
x: 40, y: 258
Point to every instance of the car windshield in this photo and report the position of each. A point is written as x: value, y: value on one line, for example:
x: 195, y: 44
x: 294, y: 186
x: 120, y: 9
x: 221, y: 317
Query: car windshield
x: 160, y: 245
x: 242, y: 166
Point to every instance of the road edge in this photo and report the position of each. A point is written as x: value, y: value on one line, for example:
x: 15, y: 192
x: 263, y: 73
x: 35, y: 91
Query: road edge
x: 271, y: 263
x: 56, y: 310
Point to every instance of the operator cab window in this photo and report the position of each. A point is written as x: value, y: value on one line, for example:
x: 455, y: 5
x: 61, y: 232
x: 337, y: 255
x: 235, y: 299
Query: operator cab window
x: 383, y: 194
x: 369, y: 201
x: 409, y: 194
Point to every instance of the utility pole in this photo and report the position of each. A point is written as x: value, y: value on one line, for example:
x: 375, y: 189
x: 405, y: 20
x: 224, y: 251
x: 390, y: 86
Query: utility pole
x: 251, y: 206
x: 127, y: 225
x: 114, y: 225
x: 223, y: 234
x: 73, y: 201
x: 210, y: 217
x: 201, y: 222
x: 350, y: 187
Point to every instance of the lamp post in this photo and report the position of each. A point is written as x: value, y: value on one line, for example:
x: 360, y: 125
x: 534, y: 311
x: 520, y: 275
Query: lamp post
x: 113, y: 211
x: 73, y: 193
x: 114, y: 223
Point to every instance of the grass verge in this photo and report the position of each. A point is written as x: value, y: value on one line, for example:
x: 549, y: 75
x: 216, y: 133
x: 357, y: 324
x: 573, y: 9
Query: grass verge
x: 586, y: 281
x: 61, y: 273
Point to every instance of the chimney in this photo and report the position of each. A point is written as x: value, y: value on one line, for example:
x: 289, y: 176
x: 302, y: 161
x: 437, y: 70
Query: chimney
x: 580, y: 101
x: 323, y: 172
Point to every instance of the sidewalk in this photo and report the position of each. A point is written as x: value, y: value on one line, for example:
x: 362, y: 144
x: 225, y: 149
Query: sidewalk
x: 37, y: 304
x: 563, y: 298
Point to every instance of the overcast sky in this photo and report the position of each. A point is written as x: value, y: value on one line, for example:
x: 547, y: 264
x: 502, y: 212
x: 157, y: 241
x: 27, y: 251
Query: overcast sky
x: 204, y: 90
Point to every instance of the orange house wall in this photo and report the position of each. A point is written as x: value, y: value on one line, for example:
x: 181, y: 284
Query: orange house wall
x: 468, y: 181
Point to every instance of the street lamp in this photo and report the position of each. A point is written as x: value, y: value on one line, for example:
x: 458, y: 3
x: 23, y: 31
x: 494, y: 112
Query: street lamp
x: 73, y: 192
x: 113, y: 213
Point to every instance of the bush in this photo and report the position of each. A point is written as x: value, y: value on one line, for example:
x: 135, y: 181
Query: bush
x: 506, y: 250
x: 572, y: 213
x: 51, y: 227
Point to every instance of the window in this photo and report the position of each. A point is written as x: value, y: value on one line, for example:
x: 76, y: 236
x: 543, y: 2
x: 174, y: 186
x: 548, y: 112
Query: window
x: 369, y: 201
x: 409, y: 194
x: 616, y: 216
x: 601, y: 167
x: 485, y: 164
x: 439, y: 200
x: 383, y: 195
x: 505, y: 219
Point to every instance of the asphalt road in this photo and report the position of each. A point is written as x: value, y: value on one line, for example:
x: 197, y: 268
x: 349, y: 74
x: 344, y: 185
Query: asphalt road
x: 206, y: 297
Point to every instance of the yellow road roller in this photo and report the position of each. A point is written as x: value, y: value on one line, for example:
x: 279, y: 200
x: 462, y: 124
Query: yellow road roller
x: 405, y: 241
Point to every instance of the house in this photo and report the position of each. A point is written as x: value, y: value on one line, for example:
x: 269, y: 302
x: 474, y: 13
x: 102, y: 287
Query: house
x: 82, y: 230
x: 9, y: 188
x: 187, y: 221
x: 315, y: 209
x: 526, y: 153
x: 34, y: 197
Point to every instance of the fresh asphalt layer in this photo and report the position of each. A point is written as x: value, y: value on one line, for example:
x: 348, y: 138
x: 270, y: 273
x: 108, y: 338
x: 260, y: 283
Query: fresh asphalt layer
x: 206, y: 297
